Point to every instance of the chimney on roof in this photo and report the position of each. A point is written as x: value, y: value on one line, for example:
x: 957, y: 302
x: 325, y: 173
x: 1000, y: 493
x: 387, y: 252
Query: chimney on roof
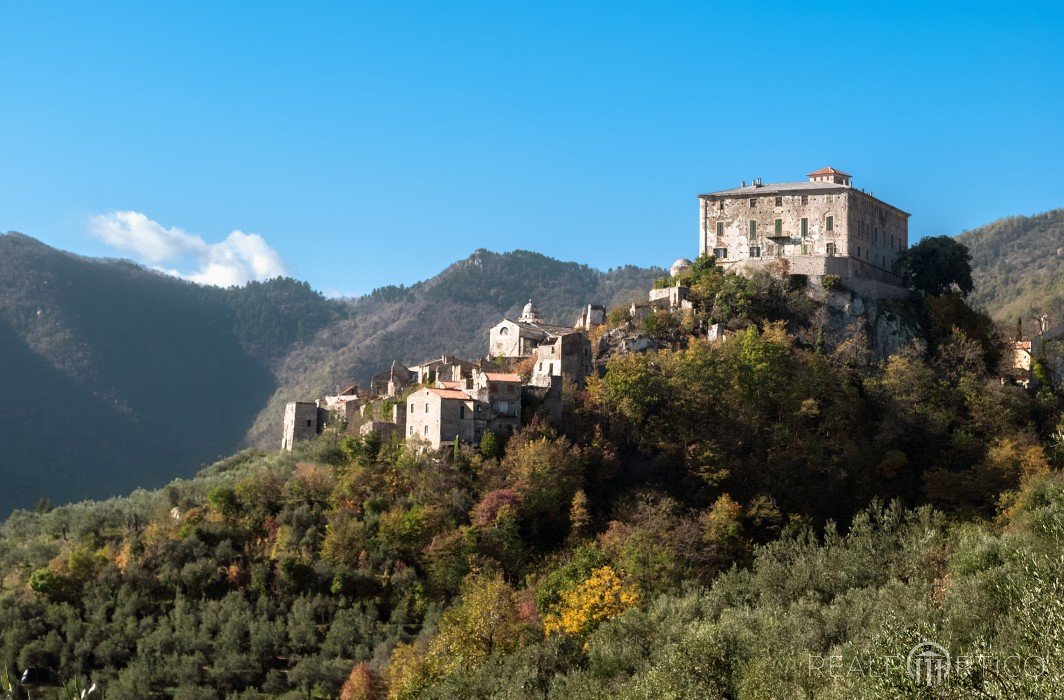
x: 743, y: 184
x: 757, y: 182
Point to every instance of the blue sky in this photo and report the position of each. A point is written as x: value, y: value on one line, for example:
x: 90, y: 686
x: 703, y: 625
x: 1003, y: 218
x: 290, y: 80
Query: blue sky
x: 357, y: 145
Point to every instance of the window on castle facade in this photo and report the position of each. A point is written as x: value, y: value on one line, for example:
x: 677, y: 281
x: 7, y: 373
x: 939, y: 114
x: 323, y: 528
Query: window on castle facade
x: 779, y: 227
x: 755, y: 251
x: 805, y: 199
x: 805, y: 249
x: 720, y: 253
x: 805, y: 228
x: 830, y: 250
x: 829, y: 224
x: 753, y: 229
x: 720, y: 228
x: 779, y: 201
x: 753, y: 202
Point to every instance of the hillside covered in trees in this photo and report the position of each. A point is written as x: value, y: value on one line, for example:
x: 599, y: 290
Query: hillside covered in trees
x: 1018, y: 266
x: 710, y: 520
x: 117, y: 377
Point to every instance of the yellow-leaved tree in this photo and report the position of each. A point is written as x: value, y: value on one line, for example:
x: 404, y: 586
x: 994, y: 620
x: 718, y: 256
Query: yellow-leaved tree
x: 483, y: 623
x: 603, y: 595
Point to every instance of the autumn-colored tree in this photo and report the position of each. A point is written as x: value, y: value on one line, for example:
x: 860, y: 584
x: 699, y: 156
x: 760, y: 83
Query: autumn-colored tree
x: 602, y: 596
x: 408, y: 670
x: 363, y: 684
x: 579, y: 517
x: 483, y: 623
x: 545, y: 470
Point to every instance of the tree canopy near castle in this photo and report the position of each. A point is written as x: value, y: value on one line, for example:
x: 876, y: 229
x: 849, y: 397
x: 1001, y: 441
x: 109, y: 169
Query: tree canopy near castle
x: 936, y: 265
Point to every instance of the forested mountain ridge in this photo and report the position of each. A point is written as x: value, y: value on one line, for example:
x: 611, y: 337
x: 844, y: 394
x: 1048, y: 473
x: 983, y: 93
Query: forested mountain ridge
x: 706, y: 520
x: 116, y: 376
x: 1018, y: 267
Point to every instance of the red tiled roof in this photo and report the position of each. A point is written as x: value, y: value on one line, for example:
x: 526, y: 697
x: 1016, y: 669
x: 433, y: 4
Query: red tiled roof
x: 448, y: 385
x: 450, y: 394
x: 502, y: 377
x: 828, y: 171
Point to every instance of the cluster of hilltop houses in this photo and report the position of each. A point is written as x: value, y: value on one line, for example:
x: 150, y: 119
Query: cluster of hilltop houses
x: 817, y: 227
x: 449, y: 398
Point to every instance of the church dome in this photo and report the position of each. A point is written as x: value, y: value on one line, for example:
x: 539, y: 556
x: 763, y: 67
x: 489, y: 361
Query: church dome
x: 530, y: 312
x: 680, y: 266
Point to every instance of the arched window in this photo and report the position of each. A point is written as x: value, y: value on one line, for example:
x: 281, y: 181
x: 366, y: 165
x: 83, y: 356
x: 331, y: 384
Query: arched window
x: 505, y: 330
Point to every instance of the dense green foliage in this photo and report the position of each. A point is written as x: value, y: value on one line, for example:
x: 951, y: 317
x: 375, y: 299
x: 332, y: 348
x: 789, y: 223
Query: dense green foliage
x: 1018, y: 267
x: 936, y: 265
x: 712, y: 521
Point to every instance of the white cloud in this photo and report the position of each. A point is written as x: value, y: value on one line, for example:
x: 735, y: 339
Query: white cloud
x: 240, y: 258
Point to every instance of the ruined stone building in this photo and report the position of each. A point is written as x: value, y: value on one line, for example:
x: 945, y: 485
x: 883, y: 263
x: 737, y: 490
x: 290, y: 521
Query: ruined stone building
x: 302, y: 421
x: 566, y: 356
x: 820, y: 226
x: 592, y: 315
x: 392, y: 381
x: 446, y: 369
x: 396, y: 427
x: 501, y: 393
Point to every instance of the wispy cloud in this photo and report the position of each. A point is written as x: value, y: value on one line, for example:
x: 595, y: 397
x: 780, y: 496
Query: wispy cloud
x: 240, y: 258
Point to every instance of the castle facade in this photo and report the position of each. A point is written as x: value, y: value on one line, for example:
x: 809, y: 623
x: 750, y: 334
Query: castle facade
x: 821, y: 226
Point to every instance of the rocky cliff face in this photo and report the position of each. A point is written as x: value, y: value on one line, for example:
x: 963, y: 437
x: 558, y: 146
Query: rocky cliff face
x: 889, y: 323
x: 888, y: 319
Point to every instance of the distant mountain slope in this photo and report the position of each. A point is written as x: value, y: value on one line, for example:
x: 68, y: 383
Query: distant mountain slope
x: 114, y: 376
x: 1018, y: 266
x: 450, y: 313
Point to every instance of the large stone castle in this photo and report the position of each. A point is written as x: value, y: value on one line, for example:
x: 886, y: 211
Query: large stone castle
x: 822, y: 226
